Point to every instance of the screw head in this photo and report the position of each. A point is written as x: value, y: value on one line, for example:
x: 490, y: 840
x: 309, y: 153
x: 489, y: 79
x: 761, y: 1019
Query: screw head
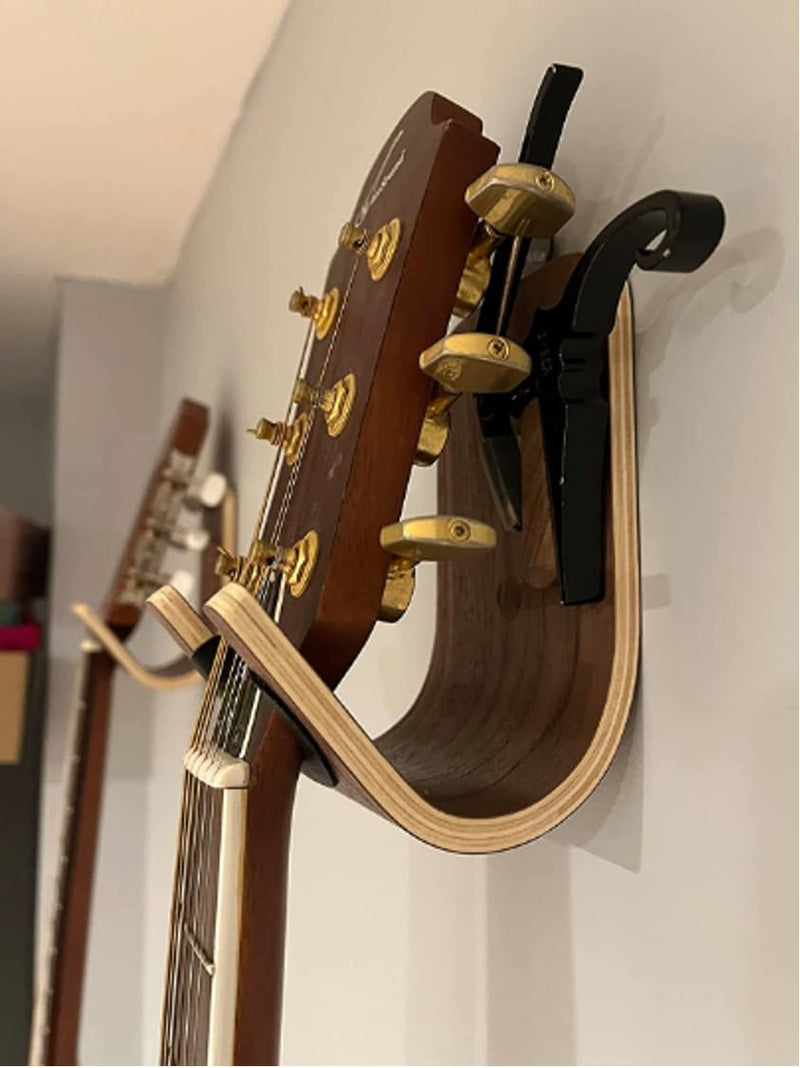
x: 458, y: 530
x: 545, y: 181
x: 497, y: 347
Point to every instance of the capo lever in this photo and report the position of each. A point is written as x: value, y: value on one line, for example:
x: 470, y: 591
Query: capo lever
x: 568, y: 348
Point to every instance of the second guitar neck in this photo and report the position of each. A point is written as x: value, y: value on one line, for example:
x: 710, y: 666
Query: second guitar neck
x: 57, y: 1011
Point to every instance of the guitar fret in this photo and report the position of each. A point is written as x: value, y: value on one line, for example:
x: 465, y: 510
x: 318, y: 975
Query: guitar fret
x: 202, y: 955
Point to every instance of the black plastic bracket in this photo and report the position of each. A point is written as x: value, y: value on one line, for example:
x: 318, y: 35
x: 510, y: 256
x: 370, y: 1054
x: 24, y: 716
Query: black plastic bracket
x: 568, y: 346
x: 666, y: 231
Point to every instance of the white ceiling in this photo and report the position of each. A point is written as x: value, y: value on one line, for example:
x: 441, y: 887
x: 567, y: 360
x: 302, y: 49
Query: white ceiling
x: 113, y: 114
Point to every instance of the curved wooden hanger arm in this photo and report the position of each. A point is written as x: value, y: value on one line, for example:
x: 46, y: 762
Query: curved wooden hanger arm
x: 483, y: 764
x: 178, y: 617
x: 172, y: 676
x: 174, y: 611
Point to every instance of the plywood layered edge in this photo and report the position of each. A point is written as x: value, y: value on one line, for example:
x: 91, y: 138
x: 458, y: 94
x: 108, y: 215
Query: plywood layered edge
x: 364, y: 772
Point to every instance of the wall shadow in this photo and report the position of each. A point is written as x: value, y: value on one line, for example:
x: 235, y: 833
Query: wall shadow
x: 609, y: 823
x: 530, y: 1010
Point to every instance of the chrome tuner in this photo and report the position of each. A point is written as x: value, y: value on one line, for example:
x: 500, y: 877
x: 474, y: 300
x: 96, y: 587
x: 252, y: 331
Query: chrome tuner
x: 206, y: 492
x: 195, y: 540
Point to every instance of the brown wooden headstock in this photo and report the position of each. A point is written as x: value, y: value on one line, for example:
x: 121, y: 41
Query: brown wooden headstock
x: 138, y: 572
x: 377, y: 318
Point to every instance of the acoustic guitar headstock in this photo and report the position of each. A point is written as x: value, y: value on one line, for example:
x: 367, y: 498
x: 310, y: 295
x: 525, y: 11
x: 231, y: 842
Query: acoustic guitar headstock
x: 349, y: 442
x: 171, y: 489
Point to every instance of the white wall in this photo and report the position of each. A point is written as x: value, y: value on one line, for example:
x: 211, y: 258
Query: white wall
x: 658, y: 925
x: 107, y: 435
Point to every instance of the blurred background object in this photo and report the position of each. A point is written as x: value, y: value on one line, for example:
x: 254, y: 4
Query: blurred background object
x: 23, y: 581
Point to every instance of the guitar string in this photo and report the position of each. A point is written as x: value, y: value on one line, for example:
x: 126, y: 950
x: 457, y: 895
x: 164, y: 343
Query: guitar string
x: 188, y: 816
x: 177, y: 939
x: 197, y: 852
x: 277, y: 529
x: 236, y: 680
x: 203, y: 731
x: 184, y: 872
x: 239, y: 680
x: 206, y: 725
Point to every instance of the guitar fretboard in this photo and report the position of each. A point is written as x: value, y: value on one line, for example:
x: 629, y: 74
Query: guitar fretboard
x: 57, y: 1005
x: 191, y: 965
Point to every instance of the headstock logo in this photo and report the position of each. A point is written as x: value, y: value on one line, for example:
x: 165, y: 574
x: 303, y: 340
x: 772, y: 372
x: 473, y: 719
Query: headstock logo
x: 390, y: 165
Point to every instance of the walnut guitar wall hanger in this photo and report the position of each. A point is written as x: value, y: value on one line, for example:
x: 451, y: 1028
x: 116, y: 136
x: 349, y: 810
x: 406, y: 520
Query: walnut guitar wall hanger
x: 528, y: 412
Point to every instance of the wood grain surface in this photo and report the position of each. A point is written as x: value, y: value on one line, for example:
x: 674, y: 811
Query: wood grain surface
x: 525, y: 702
x: 350, y: 486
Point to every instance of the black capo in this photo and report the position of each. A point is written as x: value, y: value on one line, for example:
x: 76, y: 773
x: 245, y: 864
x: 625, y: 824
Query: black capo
x: 568, y: 349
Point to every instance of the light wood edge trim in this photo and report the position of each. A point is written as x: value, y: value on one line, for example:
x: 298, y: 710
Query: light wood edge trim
x: 241, y: 620
x: 179, y: 619
x: 150, y: 678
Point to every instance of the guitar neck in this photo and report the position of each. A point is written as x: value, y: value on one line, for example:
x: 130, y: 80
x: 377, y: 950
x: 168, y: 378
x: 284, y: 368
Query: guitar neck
x: 225, y: 967
x: 54, y: 1035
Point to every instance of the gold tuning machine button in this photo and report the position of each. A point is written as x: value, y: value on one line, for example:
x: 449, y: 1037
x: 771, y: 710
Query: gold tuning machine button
x: 522, y: 200
x: 476, y: 363
x: 438, y: 537
x: 321, y: 310
x: 519, y: 200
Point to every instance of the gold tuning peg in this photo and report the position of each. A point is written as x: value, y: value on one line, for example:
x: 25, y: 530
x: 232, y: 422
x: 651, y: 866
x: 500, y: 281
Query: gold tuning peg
x: 476, y: 363
x: 266, y: 430
x: 518, y: 200
x: 477, y: 269
x: 465, y: 363
x: 297, y: 563
x: 378, y: 248
x: 227, y: 565
x: 353, y: 237
x: 286, y: 436
x: 435, y: 427
x: 335, y: 403
x: 321, y: 310
x: 438, y: 537
x: 521, y: 200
